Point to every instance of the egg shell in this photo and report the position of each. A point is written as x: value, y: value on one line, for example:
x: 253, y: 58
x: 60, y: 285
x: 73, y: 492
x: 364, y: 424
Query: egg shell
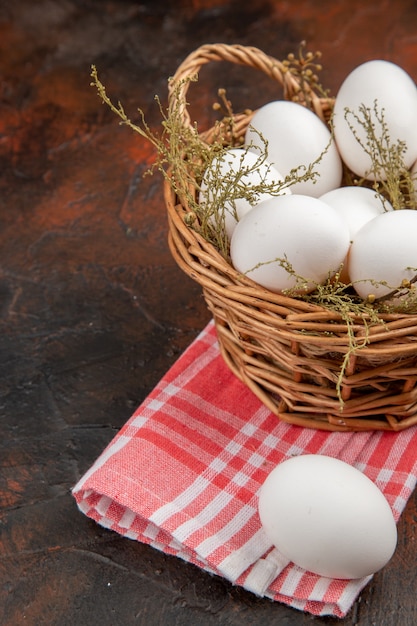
x: 395, y: 94
x: 327, y: 517
x: 356, y: 205
x: 302, y: 229
x: 237, y: 168
x: 384, y: 251
x: 296, y: 137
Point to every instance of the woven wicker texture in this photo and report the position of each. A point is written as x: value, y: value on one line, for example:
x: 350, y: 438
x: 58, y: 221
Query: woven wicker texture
x: 287, y: 351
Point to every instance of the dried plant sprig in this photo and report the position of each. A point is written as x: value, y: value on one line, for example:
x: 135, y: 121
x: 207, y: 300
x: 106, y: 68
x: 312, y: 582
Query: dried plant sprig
x: 183, y: 157
x: 306, y: 67
x: 232, y: 136
x: 399, y: 299
x: 340, y: 297
x: 224, y: 104
x: 228, y: 187
x: 181, y: 154
x: 390, y: 176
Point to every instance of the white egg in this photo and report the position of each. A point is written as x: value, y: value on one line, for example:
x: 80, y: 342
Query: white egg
x: 296, y: 137
x: 237, y: 169
x: 384, y: 253
x: 302, y: 230
x: 388, y: 87
x: 356, y: 205
x: 327, y: 517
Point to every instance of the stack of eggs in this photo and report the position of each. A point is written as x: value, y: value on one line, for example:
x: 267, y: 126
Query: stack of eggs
x: 316, y: 226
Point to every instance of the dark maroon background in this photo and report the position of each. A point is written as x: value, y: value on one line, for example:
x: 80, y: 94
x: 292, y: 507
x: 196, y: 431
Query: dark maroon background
x: 93, y: 310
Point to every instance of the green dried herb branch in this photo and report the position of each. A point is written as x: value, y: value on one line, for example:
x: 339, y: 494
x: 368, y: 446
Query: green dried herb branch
x: 181, y: 154
x: 389, y: 175
x: 400, y: 299
x: 227, y: 123
x: 227, y: 188
x: 306, y: 69
x: 339, y: 297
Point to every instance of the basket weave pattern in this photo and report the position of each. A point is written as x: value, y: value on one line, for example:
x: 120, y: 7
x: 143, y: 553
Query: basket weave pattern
x: 287, y: 351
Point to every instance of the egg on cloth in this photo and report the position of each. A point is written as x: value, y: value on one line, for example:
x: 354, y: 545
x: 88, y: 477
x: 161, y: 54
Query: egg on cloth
x: 383, y: 253
x: 299, y: 230
x: 228, y: 184
x: 296, y: 137
x: 327, y: 517
x: 388, y: 88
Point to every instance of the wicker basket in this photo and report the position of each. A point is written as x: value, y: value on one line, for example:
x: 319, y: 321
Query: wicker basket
x: 287, y: 351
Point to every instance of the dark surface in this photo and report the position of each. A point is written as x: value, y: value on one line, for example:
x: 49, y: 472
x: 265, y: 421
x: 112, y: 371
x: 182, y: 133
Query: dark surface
x: 93, y: 310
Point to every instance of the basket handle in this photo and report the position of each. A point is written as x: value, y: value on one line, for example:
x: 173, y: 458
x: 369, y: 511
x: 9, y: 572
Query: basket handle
x: 240, y: 55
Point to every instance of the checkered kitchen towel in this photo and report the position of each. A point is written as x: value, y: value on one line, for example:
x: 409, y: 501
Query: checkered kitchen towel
x: 184, y: 472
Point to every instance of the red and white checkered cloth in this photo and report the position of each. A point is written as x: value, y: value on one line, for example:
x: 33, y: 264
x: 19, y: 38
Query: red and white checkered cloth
x: 183, y: 476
